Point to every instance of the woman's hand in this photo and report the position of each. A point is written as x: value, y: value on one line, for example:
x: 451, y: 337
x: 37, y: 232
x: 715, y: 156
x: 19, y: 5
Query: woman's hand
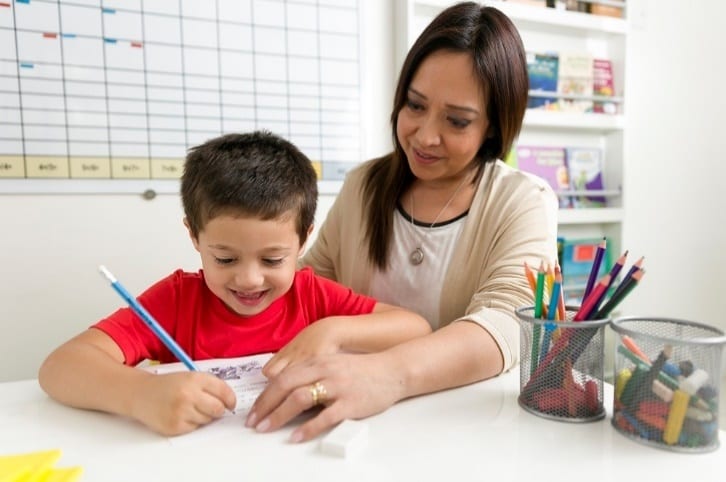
x: 353, y: 386
x: 318, y: 338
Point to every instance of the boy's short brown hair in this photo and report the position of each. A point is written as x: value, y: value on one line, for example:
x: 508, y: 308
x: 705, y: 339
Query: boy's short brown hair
x: 255, y: 174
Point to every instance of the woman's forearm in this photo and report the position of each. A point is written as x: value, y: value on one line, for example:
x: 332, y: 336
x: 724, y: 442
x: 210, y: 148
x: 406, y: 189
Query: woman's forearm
x: 455, y: 355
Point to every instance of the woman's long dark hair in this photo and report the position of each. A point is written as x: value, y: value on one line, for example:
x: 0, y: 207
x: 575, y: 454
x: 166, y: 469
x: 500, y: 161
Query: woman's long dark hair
x: 499, y: 63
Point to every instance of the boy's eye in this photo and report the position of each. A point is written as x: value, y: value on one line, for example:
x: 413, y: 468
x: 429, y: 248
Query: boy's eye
x: 273, y: 261
x: 223, y: 260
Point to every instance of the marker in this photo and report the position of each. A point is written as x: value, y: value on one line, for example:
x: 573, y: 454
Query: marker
x: 149, y: 320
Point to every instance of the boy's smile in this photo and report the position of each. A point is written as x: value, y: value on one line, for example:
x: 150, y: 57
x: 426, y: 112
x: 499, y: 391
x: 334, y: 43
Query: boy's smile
x: 249, y: 262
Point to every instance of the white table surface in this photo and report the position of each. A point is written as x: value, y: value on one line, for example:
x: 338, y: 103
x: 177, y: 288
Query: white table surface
x: 477, y: 432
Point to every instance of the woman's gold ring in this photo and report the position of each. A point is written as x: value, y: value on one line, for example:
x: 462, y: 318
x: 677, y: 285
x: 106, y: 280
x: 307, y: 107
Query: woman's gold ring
x: 318, y: 392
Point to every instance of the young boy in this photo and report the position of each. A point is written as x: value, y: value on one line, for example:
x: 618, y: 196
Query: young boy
x: 249, y: 203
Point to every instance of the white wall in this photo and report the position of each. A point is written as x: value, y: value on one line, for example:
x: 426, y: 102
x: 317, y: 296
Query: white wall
x: 676, y: 158
x: 50, y: 246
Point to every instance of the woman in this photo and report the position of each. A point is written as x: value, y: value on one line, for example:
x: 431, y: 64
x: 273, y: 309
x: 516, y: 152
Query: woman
x: 440, y: 225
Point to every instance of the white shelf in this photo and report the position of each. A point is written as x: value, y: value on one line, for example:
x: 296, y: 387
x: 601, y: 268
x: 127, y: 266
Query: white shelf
x: 562, y: 18
x: 549, y: 17
x: 573, y: 120
x: 590, y: 216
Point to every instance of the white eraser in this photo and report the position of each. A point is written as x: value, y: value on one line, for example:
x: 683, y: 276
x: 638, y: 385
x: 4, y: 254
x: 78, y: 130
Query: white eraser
x: 349, y: 437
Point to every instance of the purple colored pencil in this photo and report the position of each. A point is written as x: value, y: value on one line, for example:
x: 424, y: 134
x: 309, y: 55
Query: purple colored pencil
x: 595, y: 270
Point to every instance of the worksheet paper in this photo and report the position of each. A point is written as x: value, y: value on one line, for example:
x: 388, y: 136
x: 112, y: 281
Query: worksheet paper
x: 243, y: 375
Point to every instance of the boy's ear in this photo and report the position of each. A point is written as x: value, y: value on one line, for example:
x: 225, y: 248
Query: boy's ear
x: 195, y: 242
x: 302, y: 248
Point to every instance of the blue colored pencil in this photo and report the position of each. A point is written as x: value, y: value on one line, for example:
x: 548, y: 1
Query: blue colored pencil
x: 149, y: 320
x: 549, y: 327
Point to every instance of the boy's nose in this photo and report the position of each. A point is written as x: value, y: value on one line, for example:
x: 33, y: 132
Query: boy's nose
x: 248, y: 278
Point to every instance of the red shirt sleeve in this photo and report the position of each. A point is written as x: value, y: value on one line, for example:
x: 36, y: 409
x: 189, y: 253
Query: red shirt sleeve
x: 136, y: 340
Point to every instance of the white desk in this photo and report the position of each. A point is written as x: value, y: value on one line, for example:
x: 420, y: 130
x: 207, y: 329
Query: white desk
x: 477, y: 432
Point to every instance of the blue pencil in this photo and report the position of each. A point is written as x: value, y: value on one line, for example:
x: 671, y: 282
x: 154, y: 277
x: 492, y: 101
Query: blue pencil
x: 549, y: 327
x: 149, y: 320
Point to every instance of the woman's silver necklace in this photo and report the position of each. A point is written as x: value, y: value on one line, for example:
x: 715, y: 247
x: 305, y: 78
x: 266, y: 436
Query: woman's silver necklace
x: 417, y: 255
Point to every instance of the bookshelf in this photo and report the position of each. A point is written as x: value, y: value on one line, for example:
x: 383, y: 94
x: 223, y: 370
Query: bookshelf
x: 553, y: 30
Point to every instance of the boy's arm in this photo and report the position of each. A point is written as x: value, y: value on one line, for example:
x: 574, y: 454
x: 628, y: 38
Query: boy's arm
x: 88, y: 372
x: 383, y: 328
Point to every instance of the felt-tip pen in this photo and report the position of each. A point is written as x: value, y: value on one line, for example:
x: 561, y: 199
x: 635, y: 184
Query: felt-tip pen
x: 149, y: 320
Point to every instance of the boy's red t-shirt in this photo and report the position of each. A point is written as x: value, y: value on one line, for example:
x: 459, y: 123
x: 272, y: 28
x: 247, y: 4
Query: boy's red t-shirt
x: 205, y: 328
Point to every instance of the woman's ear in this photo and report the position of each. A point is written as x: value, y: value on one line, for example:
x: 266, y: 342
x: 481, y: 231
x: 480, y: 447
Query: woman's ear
x: 195, y: 242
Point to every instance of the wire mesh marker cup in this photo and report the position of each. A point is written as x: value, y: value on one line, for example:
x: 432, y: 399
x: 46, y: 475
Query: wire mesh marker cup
x: 667, y: 377
x: 561, y: 369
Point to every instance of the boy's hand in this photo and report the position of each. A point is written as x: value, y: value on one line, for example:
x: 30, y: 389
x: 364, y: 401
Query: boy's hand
x: 177, y: 403
x: 316, y: 339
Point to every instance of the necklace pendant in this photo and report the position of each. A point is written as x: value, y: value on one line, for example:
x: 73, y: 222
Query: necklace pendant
x: 416, y: 257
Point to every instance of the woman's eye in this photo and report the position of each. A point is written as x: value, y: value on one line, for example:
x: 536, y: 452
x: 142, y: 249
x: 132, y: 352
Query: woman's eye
x: 413, y: 105
x: 459, y: 123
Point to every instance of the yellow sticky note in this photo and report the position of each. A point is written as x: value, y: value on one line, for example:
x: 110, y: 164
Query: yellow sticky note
x: 65, y: 474
x: 27, y: 467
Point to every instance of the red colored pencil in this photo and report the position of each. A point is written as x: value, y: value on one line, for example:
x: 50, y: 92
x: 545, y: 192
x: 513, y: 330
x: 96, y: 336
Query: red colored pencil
x: 589, y: 304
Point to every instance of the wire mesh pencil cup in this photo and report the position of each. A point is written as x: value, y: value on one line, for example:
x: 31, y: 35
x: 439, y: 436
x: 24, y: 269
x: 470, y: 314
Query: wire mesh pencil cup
x: 561, y: 368
x: 667, y: 378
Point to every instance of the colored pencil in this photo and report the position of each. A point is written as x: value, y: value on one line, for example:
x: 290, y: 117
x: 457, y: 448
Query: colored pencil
x: 538, y: 302
x: 549, y: 279
x: 595, y: 269
x: 613, y: 274
x: 554, y: 296
x: 539, y: 294
x: 589, y: 303
x: 636, y: 266
x: 619, y: 294
x: 561, y: 311
x: 532, y: 283
x: 149, y: 320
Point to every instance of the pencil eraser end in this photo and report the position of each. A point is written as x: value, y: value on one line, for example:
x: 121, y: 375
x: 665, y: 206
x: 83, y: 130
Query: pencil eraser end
x: 348, y: 438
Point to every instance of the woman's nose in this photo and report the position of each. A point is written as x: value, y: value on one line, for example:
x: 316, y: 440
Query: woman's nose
x: 428, y: 132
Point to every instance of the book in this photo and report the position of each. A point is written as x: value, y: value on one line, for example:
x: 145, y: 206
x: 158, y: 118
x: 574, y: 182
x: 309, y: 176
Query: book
x: 585, y: 166
x: 603, y: 85
x: 548, y: 163
x: 578, y: 255
x: 606, y: 10
x: 575, y: 82
x: 542, y: 70
x: 242, y: 374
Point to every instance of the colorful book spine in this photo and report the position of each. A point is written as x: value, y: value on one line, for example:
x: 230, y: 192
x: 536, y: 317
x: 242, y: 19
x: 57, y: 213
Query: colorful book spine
x: 542, y: 69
